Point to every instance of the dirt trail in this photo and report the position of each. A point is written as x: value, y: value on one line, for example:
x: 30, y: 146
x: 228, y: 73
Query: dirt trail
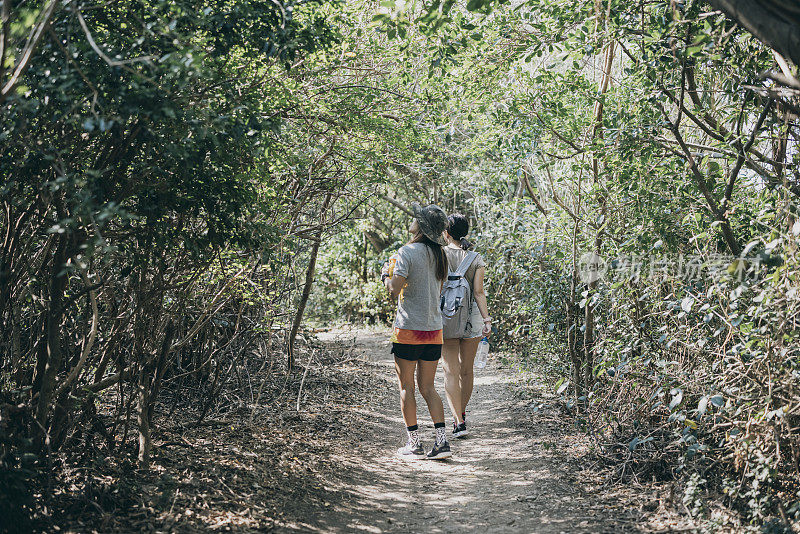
x: 320, y: 456
x: 518, y: 471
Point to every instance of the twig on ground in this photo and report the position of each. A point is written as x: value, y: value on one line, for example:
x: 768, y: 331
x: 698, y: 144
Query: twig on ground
x: 300, y: 390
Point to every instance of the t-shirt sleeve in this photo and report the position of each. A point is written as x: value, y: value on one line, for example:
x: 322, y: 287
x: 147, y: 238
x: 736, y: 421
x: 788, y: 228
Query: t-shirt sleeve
x: 477, y: 263
x: 403, y: 265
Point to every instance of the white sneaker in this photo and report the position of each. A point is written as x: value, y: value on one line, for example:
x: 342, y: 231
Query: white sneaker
x: 411, y: 451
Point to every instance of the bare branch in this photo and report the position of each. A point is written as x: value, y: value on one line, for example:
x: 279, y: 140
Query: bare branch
x: 734, y: 172
x: 531, y: 192
x: 93, y: 44
x: 398, y: 205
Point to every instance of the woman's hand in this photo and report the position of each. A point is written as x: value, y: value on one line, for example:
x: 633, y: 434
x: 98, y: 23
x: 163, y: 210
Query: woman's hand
x: 487, y: 326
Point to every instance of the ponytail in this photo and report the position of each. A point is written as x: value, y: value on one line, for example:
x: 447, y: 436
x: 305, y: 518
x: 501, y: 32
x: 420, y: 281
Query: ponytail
x: 457, y: 227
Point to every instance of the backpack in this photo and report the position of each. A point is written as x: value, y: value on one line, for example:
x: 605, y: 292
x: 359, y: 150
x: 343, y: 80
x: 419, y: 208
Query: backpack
x: 456, y: 300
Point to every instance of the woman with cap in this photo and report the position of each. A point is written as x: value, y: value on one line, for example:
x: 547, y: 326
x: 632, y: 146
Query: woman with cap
x: 458, y: 352
x: 416, y: 281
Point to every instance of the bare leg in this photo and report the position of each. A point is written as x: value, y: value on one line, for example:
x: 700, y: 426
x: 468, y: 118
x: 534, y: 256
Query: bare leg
x: 408, y: 402
x: 426, y: 372
x: 452, y: 377
x: 468, y: 349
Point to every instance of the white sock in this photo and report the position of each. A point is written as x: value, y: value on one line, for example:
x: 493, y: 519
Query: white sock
x: 441, y: 435
x: 413, y: 436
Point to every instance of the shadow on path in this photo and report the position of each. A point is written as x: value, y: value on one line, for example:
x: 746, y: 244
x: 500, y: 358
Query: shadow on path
x: 511, y: 474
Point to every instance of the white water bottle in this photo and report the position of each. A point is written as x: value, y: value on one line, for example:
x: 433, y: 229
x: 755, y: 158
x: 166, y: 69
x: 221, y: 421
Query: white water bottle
x: 483, y: 353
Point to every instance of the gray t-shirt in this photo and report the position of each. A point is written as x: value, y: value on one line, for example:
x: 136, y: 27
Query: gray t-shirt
x: 418, y: 304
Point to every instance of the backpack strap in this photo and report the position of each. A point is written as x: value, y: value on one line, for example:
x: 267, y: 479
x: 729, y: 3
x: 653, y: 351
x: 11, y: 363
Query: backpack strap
x: 465, y: 263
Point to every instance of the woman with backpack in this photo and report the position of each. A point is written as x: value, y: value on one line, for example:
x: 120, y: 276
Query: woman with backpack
x: 416, y: 280
x: 460, y: 346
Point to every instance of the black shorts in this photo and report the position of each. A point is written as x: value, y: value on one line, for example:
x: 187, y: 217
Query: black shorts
x: 427, y: 353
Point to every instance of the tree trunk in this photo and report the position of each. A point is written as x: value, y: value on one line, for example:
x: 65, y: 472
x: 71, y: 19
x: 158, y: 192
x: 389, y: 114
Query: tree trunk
x: 572, y: 316
x: 148, y: 386
x: 143, y: 420
x: 50, y: 353
x: 16, y: 351
x: 364, y: 266
x: 589, y: 315
x: 309, y: 283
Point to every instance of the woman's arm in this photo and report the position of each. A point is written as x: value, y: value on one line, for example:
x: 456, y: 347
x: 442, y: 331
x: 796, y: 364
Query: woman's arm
x: 396, y: 283
x: 480, y: 298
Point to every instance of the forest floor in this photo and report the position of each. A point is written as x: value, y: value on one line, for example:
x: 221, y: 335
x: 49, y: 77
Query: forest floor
x: 522, y: 468
x: 331, y: 465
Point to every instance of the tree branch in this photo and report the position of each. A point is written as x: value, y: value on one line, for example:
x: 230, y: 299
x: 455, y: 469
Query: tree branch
x: 30, y: 47
x: 734, y: 172
x: 530, y: 191
x: 773, y: 23
x: 398, y: 205
x: 700, y: 181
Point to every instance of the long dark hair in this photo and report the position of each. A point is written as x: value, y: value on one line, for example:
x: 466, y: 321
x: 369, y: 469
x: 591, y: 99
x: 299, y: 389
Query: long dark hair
x: 458, y: 227
x: 438, y: 253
